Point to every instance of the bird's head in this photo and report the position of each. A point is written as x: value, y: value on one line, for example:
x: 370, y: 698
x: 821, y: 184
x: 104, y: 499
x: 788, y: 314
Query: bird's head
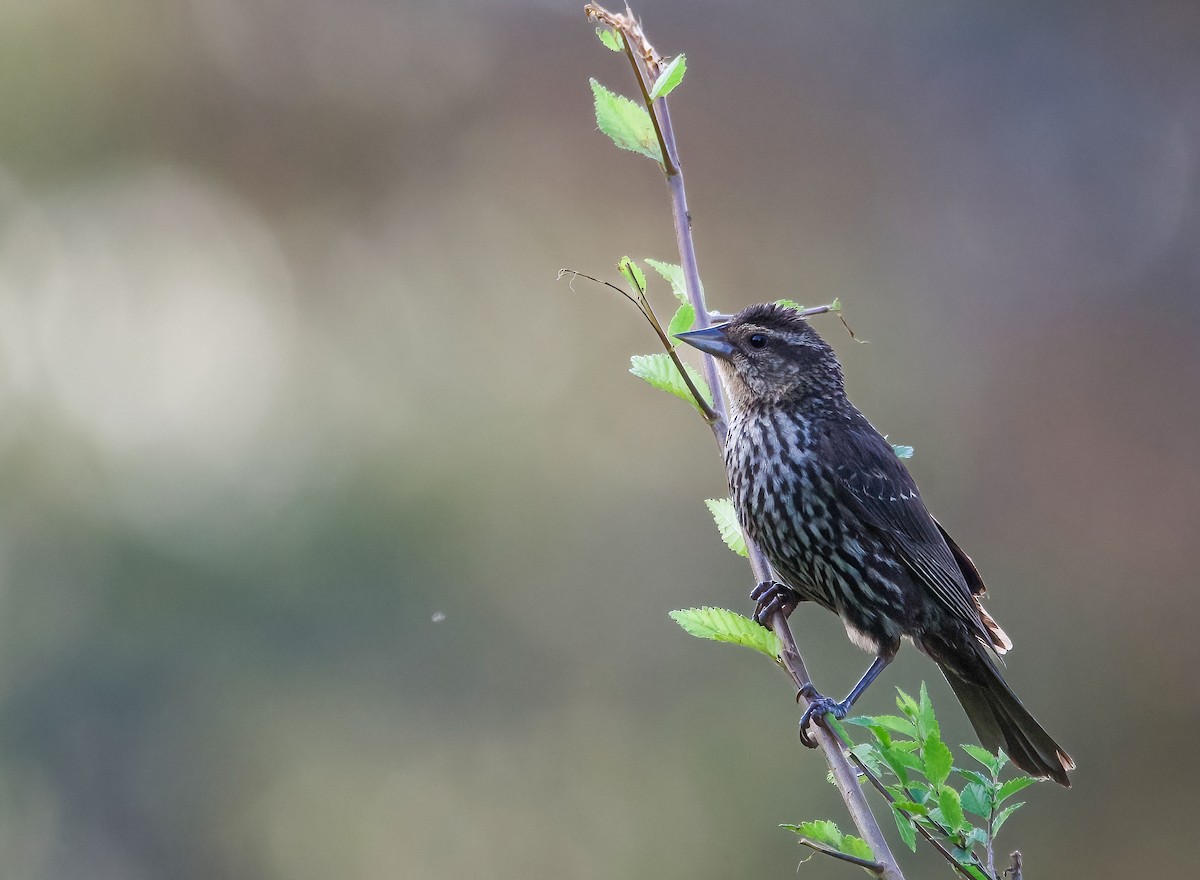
x: 768, y: 353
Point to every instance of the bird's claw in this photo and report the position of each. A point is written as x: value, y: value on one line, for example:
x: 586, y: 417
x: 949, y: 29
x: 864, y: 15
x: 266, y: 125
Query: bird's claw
x: 818, y: 707
x: 771, y: 597
x: 806, y: 690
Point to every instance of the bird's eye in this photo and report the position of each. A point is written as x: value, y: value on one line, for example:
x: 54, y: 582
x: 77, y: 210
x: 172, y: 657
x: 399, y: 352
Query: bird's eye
x: 758, y: 340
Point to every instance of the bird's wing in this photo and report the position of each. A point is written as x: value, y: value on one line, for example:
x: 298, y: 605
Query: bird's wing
x: 965, y: 564
x: 874, y: 483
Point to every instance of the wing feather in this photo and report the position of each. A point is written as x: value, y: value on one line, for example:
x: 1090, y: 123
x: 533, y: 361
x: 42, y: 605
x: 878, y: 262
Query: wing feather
x: 876, y: 484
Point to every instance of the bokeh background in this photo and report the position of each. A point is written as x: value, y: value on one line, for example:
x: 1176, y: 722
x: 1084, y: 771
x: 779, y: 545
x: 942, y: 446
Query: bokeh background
x: 335, y: 540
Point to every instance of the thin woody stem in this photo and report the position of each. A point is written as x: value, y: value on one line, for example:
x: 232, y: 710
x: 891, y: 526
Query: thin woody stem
x: 922, y: 830
x: 645, y: 65
x: 873, y: 867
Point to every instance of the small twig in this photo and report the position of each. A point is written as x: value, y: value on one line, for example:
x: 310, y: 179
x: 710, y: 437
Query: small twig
x: 631, y: 31
x: 643, y: 305
x: 1013, y: 871
x: 991, y: 844
x: 882, y: 789
x: 872, y: 866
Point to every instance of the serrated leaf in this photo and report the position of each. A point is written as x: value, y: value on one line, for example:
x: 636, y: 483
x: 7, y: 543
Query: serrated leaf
x: 725, y: 517
x: 912, y: 807
x: 976, y: 837
x: 974, y: 776
x: 898, y: 761
x: 984, y: 757
x: 907, y: 705
x: 951, y: 809
x: 890, y: 722
x: 685, y: 316
x: 633, y: 273
x: 722, y: 625
x: 660, y: 371
x: 903, y: 451
x: 857, y: 847
x: 609, y: 38
x: 962, y: 855
x: 869, y: 755
x: 937, y: 758
x: 819, y: 831
x: 926, y: 722
x: 907, y: 756
x: 626, y: 123
x: 669, y: 78
x: 905, y: 826
x: 673, y: 275
x: 975, y: 800
x: 1003, y: 815
x: 789, y: 304
x: 1012, y: 786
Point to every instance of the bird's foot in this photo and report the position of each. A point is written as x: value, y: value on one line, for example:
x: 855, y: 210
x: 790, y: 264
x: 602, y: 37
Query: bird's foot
x: 773, y: 596
x: 818, y: 707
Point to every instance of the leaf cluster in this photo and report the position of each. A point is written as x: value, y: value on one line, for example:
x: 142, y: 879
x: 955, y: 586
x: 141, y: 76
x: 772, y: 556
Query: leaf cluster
x: 908, y: 753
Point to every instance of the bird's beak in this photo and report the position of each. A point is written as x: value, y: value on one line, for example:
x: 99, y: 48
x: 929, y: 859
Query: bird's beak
x: 711, y: 340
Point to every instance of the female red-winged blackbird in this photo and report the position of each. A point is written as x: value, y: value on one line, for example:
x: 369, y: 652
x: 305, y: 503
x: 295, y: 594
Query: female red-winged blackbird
x: 843, y: 525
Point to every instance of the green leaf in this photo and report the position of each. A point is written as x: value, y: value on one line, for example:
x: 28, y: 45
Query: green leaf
x: 821, y: 831
x: 926, y: 721
x: 869, y: 755
x: 673, y: 275
x: 895, y: 723
x: 857, y: 847
x: 722, y: 625
x: 1003, y: 815
x: 976, y: 777
x: 1008, y: 789
x: 905, y: 826
x: 660, y: 371
x: 907, y: 705
x: 975, y: 800
x: 984, y: 757
x: 899, y: 761
x: 789, y: 304
x: 975, y: 837
x: 952, y: 811
x: 626, y: 123
x: 609, y: 38
x: 685, y: 316
x: 903, y: 451
x: 912, y: 807
x: 962, y: 855
x: 725, y: 517
x: 669, y: 78
x: 633, y: 273
x: 937, y: 758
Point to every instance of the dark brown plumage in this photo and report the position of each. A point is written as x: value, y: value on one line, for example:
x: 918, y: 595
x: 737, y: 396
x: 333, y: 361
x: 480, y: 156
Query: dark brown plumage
x: 843, y: 525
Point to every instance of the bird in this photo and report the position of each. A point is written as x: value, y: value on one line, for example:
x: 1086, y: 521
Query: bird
x: 843, y: 525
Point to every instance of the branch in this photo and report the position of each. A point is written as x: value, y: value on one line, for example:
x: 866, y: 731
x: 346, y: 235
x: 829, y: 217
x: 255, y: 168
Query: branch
x: 1013, y: 871
x: 873, y: 867
x: 921, y: 829
x: 646, y: 66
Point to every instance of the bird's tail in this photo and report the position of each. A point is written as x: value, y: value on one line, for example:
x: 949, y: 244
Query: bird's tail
x: 999, y: 719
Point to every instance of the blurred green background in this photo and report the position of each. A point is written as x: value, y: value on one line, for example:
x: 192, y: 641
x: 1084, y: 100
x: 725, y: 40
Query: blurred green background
x: 335, y: 540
